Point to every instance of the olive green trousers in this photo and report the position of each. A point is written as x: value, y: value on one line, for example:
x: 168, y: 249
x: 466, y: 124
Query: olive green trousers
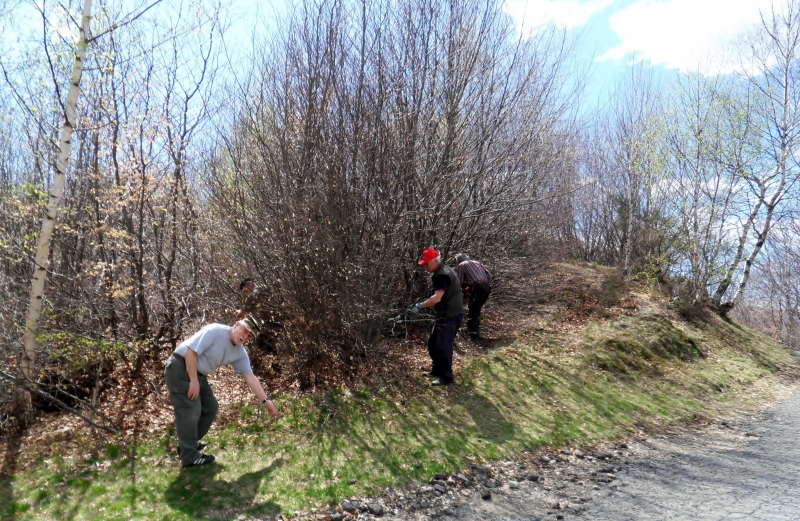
x: 193, y: 418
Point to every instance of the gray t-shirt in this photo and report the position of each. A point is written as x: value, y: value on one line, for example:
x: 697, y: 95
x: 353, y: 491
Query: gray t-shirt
x: 214, y: 349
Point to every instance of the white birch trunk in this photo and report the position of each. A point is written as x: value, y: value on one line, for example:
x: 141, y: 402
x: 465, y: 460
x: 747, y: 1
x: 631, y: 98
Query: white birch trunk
x: 53, y: 203
x: 727, y: 280
x: 739, y: 295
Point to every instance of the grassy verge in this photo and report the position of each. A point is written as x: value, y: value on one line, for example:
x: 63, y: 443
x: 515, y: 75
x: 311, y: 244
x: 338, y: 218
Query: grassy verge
x: 613, y: 378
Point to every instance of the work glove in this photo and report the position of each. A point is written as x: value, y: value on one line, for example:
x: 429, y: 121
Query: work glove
x: 415, y: 309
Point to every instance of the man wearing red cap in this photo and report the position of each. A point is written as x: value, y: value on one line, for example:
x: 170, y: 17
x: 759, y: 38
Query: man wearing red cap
x: 448, y: 307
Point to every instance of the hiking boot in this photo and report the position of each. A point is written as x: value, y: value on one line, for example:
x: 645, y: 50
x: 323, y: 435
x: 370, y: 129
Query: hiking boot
x: 202, y: 460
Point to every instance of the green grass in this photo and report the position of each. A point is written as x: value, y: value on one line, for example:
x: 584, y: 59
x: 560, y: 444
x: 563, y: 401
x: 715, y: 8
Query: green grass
x: 618, y: 377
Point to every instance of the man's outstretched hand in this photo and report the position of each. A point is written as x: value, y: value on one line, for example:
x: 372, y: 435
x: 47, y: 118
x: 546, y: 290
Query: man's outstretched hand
x: 271, y: 409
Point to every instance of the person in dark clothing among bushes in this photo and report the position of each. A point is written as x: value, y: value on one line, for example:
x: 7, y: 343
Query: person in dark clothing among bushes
x: 448, y: 308
x: 250, y: 297
x: 475, y: 281
x: 257, y: 302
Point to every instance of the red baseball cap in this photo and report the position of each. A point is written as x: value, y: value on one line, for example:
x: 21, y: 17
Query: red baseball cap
x: 428, y: 255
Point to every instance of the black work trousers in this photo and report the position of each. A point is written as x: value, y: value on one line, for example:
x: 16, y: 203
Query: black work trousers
x: 478, y: 294
x: 440, y: 347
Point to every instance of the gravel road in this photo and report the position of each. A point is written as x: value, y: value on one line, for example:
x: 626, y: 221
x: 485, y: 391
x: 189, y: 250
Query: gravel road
x: 747, y: 467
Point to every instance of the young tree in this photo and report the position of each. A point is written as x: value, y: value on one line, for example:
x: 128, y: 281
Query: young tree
x: 626, y: 224
x: 129, y: 204
x: 771, y: 66
x: 42, y: 259
x: 709, y: 140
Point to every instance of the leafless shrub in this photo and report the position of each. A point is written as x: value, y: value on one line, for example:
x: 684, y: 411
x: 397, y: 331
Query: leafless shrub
x: 621, y: 215
x: 373, y: 130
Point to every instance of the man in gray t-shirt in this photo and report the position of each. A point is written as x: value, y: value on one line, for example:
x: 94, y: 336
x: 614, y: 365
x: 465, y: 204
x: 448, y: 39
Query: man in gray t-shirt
x: 186, y: 373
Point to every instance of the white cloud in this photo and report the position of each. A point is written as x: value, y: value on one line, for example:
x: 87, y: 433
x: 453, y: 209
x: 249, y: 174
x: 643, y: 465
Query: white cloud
x: 686, y: 35
x: 568, y: 14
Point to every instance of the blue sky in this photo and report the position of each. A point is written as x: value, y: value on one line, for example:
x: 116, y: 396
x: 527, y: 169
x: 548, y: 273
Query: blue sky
x: 668, y: 35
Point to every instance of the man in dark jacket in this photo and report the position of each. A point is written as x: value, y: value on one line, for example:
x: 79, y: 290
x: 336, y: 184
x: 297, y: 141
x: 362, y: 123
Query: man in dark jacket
x: 256, y: 301
x: 250, y: 297
x: 475, y: 281
x: 448, y: 307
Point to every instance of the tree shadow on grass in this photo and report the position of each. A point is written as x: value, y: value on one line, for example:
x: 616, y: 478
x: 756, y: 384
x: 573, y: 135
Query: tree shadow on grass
x: 7, y: 500
x: 436, y: 442
x: 198, y: 492
x: 7, y: 467
x: 489, y: 420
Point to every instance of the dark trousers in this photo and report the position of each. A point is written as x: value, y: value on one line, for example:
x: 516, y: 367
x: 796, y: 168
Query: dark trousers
x: 440, y: 346
x: 193, y: 418
x: 477, y: 298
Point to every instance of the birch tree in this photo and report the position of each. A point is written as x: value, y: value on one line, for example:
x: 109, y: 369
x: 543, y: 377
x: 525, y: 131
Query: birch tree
x: 771, y: 66
x: 53, y: 202
x: 72, y: 131
x: 710, y: 145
